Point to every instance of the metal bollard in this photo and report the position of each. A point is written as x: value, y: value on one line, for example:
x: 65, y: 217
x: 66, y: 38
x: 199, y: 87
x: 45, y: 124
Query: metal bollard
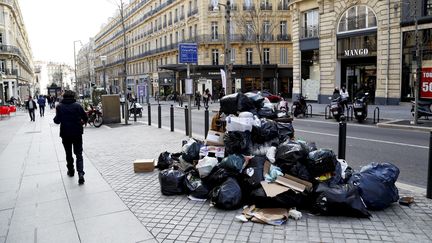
x: 122, y: 108
x: 149, y: 114
x: 376, y: 112
x: 135, y: 111
x: 172, y: 118
x: 327, y: 108
x: 159, y: 116
x: 307, y: 110
x: 206, y: 121
x: 429, y: 179
x: 186, y: 120
x: 342, y: 138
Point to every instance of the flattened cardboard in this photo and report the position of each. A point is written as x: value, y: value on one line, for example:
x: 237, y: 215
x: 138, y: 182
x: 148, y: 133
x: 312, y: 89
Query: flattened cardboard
x: 308, y: 184
x: 290, y: 184
x: 273, y: 189
x: 215, y: 138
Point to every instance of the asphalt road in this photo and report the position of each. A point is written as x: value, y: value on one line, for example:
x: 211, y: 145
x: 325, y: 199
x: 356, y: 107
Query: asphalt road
x: 407, y: 149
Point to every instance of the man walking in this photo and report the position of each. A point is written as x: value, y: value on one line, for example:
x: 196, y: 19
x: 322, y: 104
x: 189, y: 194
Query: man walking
x: 41, y: 102
x: 71, y: 117
x: 31, y: 106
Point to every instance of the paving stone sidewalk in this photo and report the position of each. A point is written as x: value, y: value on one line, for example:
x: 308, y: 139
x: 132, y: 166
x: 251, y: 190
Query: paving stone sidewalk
x: 177, y: 219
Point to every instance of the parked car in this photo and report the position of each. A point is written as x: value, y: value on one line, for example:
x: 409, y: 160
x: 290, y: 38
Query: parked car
x: 273, y: 98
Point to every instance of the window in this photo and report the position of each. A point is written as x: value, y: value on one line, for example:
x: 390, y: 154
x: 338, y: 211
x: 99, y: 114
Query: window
x: 215, y: 57
x: 283, y: 28
x: 310, y: 24
x: 283, y: 56
x: 177, y: 37
x: 357, y: 18
x: 214, y: 30
x: 266, y: 30
x: 266, y: 55
x: 1, y: 38
x: 249, y: 30
x: 196, y: 30
x: 183, y: 34
x: 233, y: 55
x: 171, y: 39
x: 249, y: 56
x: 190, y: 32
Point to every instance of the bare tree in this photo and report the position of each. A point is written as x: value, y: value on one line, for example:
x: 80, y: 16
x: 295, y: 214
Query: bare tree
x: 255, y: 25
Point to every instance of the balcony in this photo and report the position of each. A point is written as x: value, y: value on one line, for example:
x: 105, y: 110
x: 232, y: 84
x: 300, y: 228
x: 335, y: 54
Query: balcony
x: 250, y: 7
x: 268, y: 6
x: 283, y: 6
x: 266, y: 37
x: 283, y: 37
x: 9, y: 49
x: 311, y: 31
x: 192, y: 12
x: 11, y: 71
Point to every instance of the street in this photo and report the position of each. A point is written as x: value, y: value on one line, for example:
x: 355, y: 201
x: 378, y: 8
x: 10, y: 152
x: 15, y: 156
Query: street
x: 408, y: 149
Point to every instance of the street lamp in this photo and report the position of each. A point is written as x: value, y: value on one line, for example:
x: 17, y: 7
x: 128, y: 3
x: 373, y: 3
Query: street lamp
x: 103, y: 59
x: 75, y: 65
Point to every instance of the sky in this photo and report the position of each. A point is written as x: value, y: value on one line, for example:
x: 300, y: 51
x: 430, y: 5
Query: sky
x: 54, y: 25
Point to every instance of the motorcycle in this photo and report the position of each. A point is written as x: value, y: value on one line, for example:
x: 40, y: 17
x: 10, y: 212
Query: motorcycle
x: 423, y: 109
x: 136, y: 108
x: 95, y: 117
x: 361, y: 107
x: 336, y: 107
x: 299, y: 106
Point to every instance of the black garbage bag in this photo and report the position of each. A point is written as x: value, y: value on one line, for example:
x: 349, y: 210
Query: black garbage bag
x: 228, y: 104
x: 257, y: 99
x: 285, y: 130
x: 321, y: 161
x: 343, y: 200
x: 228, y: 195
x: 299, y: 170
x: 233, y: 162
x: 171, y: 181
x: 217, y: 176
x: 289, y: 153
x: 253, y: 173
x: 376, y: 184
x: 288, y: 199
x: 237, y: 142
x: 164, y: 161
x: 244, y: 103
x: 195, y: 187
x: 267, y: 112
x: 266, y: 132
x: 191, y: 151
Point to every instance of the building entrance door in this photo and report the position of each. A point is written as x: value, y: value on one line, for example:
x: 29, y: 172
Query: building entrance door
x: 359, y: 75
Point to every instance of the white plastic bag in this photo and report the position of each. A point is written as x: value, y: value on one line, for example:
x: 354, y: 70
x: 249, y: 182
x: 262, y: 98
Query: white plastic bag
x: 206, y: 165
x: 240, y: 124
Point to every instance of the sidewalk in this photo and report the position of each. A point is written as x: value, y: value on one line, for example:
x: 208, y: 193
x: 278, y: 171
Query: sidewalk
x: 39, y: 203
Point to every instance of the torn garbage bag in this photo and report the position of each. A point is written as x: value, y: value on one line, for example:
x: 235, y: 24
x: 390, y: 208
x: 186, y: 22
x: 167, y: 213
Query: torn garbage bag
x: 376, y: 183
x: 171, y: 181
x: 228, y: 195
x: 195, y: 187
x: 340, y: 200
x: 233, y: 162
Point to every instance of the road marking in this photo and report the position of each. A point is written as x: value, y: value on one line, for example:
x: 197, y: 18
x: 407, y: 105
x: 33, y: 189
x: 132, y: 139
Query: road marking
x: 365, y: 139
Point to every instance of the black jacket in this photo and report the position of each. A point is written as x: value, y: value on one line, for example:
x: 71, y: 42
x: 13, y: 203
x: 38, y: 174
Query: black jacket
x: 69, y: 115
x: 27, y: 104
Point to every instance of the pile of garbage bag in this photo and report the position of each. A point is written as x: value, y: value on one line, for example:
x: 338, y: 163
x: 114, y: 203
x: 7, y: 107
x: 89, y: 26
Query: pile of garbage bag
x: 251, y: 160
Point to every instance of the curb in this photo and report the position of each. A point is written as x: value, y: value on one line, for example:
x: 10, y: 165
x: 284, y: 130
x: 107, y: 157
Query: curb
x: 406, y: 127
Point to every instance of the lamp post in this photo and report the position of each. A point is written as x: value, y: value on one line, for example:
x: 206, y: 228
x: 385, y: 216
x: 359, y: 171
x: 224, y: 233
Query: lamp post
x: 103, y: 59
x: 75, y: 66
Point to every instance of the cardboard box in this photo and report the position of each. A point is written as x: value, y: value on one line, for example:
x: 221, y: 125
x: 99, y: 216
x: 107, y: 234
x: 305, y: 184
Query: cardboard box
x: 215, y: 138
x: 144, y: 165
x: 294, y: 183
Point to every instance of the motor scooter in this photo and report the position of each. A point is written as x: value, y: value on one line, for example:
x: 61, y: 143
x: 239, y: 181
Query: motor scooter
x: 336, y: 107
x: 361, y: 107
x: 299, y: 106
x: 423, y: 109
x: 135, y: 108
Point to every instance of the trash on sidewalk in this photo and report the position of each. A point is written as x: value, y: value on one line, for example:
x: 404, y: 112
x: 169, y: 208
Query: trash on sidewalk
x: 144, y: 165
x: 406, y: 201
x: 253, y: 161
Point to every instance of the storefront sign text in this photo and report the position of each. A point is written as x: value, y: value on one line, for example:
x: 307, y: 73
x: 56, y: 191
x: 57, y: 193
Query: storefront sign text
x: 356, y: 52
x: 426, y: 83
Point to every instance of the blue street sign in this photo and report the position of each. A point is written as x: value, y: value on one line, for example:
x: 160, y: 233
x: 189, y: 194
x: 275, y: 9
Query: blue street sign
x: 188, y: 53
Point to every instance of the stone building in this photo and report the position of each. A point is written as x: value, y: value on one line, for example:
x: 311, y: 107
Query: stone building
x: 154, y: 28
x: 16, y: 61
x: 356, y: 44
x: 85, y: 69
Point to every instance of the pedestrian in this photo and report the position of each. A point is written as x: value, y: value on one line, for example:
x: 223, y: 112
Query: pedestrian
x: 71, y: 117
x: 31, y: 106
x: 206, y: 97
x: 197, y: 99
x: 41, y: 102
x: 345, y: 96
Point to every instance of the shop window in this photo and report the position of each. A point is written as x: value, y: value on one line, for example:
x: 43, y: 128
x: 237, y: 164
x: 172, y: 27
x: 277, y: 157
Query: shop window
x: 249, y: 54
x: 266, y: 55
x: 215, y: 56
x: 357, y: 18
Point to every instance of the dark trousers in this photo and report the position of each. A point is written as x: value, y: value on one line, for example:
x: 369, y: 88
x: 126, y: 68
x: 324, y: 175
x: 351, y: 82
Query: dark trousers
x: 42, y: 110
x: 32, y: 114
x: 76, y: 143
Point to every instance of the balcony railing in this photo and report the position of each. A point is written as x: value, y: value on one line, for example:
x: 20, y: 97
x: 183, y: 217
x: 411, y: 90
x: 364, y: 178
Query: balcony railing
x: 11, y: 71
x: 266, y: 37
x: 266, y: 6
x: 283, y: 6
x: 250, y: 7
x: 311, y: 31
x: 283, y: 37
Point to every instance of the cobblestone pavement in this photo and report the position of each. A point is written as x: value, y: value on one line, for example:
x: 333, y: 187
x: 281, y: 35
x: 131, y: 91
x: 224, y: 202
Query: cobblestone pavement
x: 176, y: 219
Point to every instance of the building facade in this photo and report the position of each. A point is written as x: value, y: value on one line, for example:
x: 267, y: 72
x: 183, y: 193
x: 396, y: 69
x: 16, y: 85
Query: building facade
x: 85, y: 69
x: 60, y: 75
x: 356, y: 44
x: 258, y: 33
x: 16, y: 61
